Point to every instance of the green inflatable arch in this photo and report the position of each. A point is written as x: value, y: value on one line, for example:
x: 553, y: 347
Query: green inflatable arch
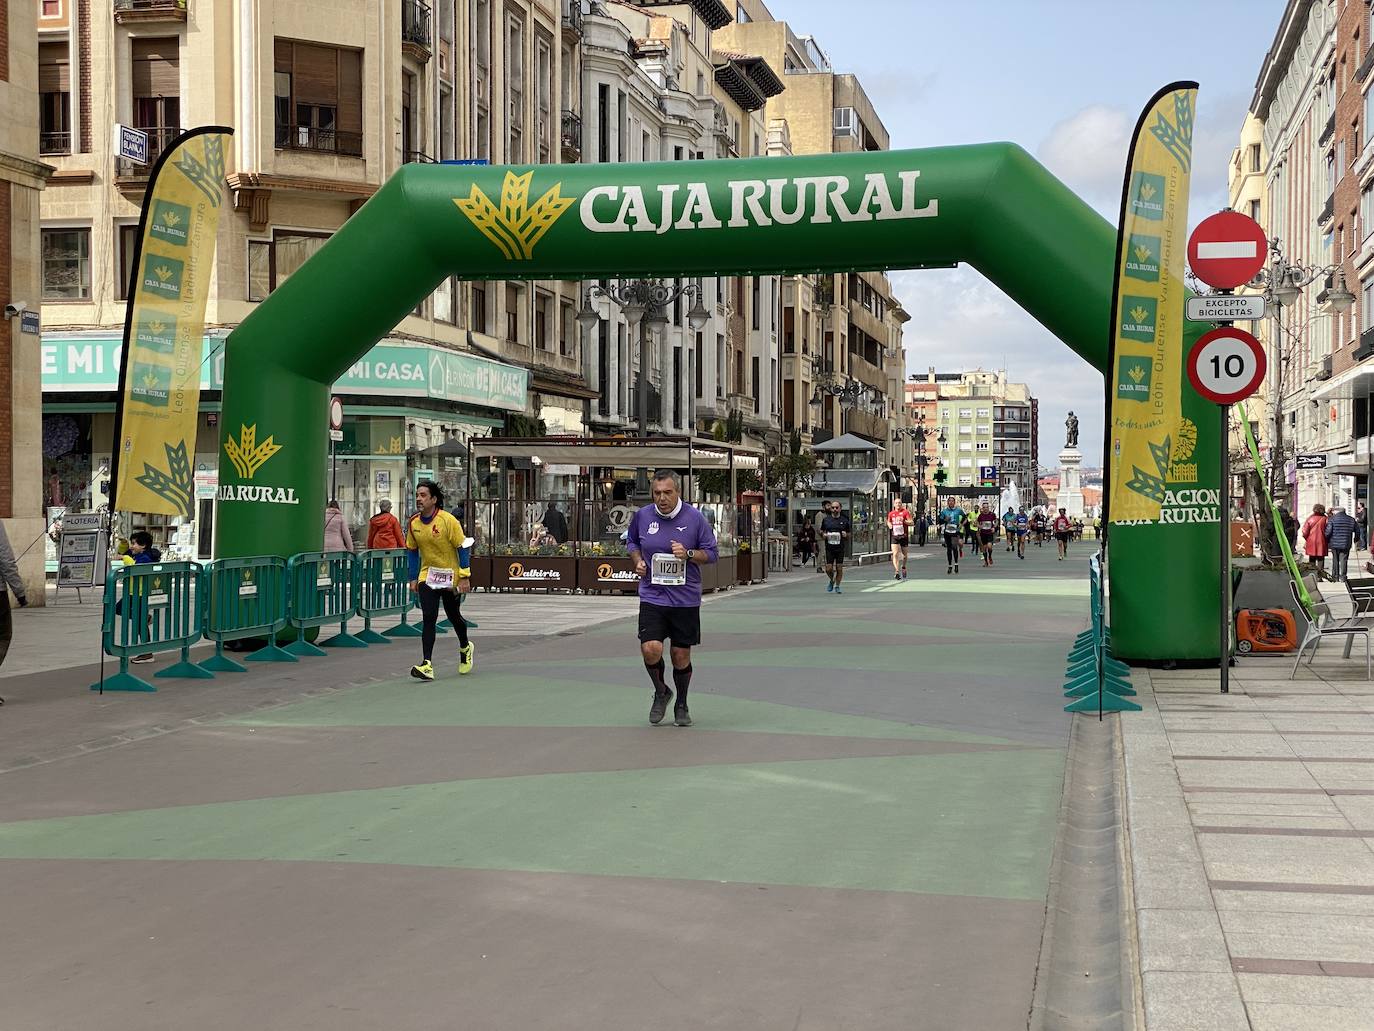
x: 991, y: 206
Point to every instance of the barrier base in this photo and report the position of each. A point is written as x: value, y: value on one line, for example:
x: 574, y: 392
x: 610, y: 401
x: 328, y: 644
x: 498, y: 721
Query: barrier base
x: 1088, y: 685
x: 370, y: 636
x: 123, y: 681
x: 272, y: 653
x: 443, y: 626
x: 1109, y: 703
x: 300, y: 646
x: 403, y: 630
x: 221, y: 663
x: 185, y: 669
x: 344, y: 639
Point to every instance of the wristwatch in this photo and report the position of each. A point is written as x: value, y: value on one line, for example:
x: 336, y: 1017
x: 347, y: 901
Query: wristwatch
x: 689, y: 553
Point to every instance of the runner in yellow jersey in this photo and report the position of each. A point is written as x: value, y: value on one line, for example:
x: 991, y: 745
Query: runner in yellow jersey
x: 438, y: 574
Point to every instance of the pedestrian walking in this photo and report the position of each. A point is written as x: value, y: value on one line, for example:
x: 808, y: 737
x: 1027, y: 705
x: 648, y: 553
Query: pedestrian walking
x: 384, y: 529
x: 1290, y: 527
x: 1314, y: 537
x: 1362, y: 521
x: 922, y: 529
x: 1340, y: 533
x: 336, y: 534
x: 806, y: 542
x: 439, y: 575
x: 9, y: 581
x: 669, y: 541
x: 556, y: 523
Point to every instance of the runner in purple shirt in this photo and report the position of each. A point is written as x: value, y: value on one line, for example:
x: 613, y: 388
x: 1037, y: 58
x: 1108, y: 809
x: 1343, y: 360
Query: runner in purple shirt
x: 670, y: 541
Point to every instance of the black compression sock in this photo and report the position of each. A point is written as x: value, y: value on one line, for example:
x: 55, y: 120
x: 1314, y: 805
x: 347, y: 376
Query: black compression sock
x: 655, y: 672
x: 682, y: 679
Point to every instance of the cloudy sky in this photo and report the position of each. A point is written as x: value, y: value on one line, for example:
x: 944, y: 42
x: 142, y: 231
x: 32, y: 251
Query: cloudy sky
x: 1066, y: 80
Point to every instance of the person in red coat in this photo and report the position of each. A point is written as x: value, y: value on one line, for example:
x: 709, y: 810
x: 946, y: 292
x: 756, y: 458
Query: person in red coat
x: 1314, y: 537
x: 384, y: 529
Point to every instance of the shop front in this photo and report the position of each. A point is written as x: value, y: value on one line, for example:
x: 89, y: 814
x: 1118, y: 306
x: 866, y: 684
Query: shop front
x: 409, y: 411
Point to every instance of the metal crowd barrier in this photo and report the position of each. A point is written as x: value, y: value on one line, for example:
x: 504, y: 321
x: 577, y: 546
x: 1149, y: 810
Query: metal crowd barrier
x: 245, y: 597
x: 383, y: 589
x: 1097, y: 681
x: 322, y: 592
x: 151, y: 607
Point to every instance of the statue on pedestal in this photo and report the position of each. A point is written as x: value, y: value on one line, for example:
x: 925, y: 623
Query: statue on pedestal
x: 1071, y: 423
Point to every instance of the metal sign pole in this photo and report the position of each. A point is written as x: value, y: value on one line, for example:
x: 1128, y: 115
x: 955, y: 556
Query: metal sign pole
x: 1223, y: 497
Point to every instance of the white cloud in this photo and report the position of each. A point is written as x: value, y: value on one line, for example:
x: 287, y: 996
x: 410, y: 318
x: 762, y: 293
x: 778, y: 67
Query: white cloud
x: 1087, y: 151
x: 961, y: 321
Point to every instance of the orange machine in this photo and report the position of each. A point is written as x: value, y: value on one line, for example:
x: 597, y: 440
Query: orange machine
x: 1265, y: 630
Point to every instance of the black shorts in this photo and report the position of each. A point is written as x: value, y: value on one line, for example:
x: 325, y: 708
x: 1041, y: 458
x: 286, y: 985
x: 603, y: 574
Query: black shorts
x: 834, y: 553
x: 988, y: 536
x: 1062, y: 535
x: 900, y: 542
x: 681, y: 625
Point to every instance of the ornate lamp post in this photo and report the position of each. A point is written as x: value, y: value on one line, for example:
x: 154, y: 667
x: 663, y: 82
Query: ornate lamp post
x: 644, y: 303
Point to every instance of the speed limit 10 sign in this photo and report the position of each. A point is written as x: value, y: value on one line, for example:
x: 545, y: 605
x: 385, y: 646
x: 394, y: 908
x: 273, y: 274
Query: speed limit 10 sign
x: 1226, y: 365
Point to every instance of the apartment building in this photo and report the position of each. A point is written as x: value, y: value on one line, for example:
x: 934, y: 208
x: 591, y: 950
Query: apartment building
x: 656, y: 87
x: 1305, y: 159
x: 22, y: 177
x: 843, y: 363
x: 327, y: 101
x: 985, y: 420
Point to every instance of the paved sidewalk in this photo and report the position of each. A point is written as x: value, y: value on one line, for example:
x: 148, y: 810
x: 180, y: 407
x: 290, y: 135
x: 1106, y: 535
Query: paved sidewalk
x: 1251, y: 837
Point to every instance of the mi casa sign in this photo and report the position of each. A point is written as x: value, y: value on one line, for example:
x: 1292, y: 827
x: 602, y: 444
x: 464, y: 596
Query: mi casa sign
x: 813, y: 200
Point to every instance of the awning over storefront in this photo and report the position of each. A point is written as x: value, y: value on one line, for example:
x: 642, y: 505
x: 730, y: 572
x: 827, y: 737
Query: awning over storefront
x: 653, y: 453
x: 1352, y: 383
x: 848, y: 481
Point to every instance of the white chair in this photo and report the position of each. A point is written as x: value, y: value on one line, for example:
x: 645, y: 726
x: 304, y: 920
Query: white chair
x: 1317, y: 631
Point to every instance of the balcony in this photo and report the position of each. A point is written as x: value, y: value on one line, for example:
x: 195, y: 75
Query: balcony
x: 1362, y: 72
x: 571, y: 137
x: 1324, y: 368
x: 54, y: 143
x: 1366, y: 348
x: 324, y: 141
x: 1328, y: 131
x: 1328, y: 212
x: 572, y: 20
x: 129, y: 12
x: 417, y: 157
x: 416, y: 41
x: 131, y: 173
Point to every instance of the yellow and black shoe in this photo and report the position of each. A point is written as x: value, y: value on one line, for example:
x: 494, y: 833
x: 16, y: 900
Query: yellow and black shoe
x: 424, y: 671
x: 465, y: 656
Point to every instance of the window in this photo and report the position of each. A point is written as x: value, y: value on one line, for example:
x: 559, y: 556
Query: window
x: 984, y: 413
x: 156, y: 82
x: 966, y: 413
x: 984, y: 445
x: 966, y: 445
x: 1340, y: 159
x: 567, y: 338
x: 720, y: 365
x: 290, y: 250
x: 259, y: 269
x: 543, y: 84
x: 67, y: 264
x: 846, y: 122
x: 409, y: 144
x: 966, y: 481
x: 479, y: 308
x: 543, y: 309
x: 52, y: 8
x: 446, y: 302
x: 1255, y: 210
x: 54, y: 99
x: 755, y: 304
x: 754, y: 377
x: 319, y: 98
x: 515, y: 90
x: 603, y: 122
x: 966, y: 463
x: 126, y: 243
x: 1354, y: 141
x: 697, y: 366
x: 513, y: 314
x: 1367, y: 304
x: 1254, y: 157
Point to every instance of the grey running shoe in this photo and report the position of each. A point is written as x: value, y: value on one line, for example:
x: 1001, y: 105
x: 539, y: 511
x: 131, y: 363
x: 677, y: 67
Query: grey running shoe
x: 660, y: 706
x: 681, y: 716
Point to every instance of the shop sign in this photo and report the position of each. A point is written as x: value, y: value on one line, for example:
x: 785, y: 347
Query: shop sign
x: 410, y: 369
x: 404, y: 370
x: 533, y: 571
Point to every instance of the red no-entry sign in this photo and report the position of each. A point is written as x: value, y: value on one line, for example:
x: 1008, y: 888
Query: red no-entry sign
x: 1227, y: 249
x: 1226, y: 365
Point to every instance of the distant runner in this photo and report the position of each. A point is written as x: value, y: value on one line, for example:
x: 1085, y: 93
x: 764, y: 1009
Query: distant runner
x: 987, y: 531
x: 1022, y: 532
x: 899, y: 523
x: 1009, y: 527
x: 1038, y: 527
x: 1063, y: 530
x: 951, y: 527
x: 835, y: 529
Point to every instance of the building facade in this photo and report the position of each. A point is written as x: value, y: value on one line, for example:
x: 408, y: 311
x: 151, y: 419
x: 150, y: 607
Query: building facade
x: 22, y: 177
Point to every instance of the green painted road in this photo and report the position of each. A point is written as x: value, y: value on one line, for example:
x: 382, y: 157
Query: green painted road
x: 858, y: 829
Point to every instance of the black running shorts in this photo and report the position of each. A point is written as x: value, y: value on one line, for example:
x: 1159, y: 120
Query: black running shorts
x: 900, y: 542
x: 834, y: 553
x: 681, y: 625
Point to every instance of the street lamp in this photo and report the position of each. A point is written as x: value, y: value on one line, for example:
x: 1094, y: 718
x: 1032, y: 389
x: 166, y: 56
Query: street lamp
x: 1283, y: 282
x: 644, y: 303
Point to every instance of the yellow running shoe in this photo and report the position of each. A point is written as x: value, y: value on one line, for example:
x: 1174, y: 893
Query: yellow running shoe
x: 465, y: 659
x: 424, y: 671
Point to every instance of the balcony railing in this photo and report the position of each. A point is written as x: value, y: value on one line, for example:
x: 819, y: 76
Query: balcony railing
x: 415, y: 21
x: 1329, y: 211
x: 328, y: 141
x: 54, y: 143
x: 418, y: 157
x: 1324, y: 368
x: 149, y: 10
x: 1362, y: 72
x: 572, y: 17
x: 1328, y: 130
x: 571, y: 137
x: 1366, y: 347
x: 159, y: 139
